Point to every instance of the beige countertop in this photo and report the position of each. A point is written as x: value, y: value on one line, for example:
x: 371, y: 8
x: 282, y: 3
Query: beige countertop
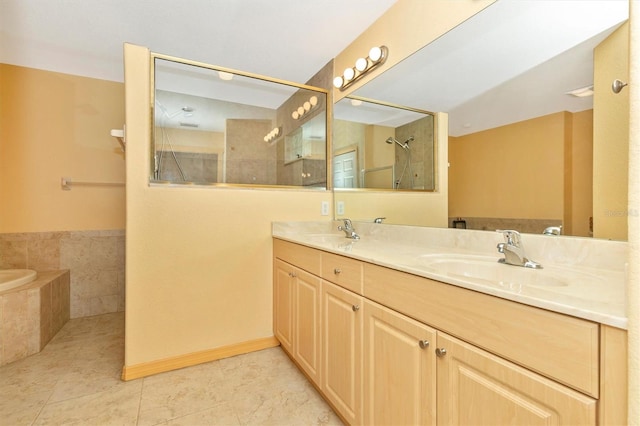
x: 581, y: 277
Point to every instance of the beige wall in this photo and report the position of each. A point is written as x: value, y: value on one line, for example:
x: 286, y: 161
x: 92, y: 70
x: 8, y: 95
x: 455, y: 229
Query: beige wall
x: 633, y: 287
x: 198, y: 259
x: 611, y: 137
x: 405, y: 28
x: 56, y: 125
x: 581, y: 181
x: 521, y: 170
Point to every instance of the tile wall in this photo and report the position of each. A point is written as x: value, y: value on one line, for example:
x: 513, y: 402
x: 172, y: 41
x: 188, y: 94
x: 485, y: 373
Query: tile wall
x: 31, y: 315
x: 95, y: 258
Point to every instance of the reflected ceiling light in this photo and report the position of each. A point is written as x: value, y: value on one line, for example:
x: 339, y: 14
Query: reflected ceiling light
x: 581, y: 92
x: 226, y: 76
x: 377, y: 56
x: 305, y: 107
x: 356, y: 102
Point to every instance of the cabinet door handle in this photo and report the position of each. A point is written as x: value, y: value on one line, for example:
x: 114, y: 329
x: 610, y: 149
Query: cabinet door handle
x: 423, y: 344
x: 441, y: 352
x: 337, y: 271
x: 292, y: 274
x: 355, y: 308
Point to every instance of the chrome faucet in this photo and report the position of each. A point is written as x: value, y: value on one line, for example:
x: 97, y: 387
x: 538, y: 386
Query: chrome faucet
x: 513, y: 250
x: 378, y: 219
x: 553, y: 230
x: 348, y: 230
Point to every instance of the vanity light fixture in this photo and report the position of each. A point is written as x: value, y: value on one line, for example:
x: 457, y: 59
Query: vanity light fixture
x: 377, y: 56
x: 274, y: 134
x: 305, y: 108
x: 582, y: 92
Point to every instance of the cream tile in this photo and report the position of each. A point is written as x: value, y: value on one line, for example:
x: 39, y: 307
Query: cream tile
x: 221, y: 414
x: 174, y: 394
x: 75, y: 380
x: 22, y: 409
x: 43, y: 253
x: 117, y: 406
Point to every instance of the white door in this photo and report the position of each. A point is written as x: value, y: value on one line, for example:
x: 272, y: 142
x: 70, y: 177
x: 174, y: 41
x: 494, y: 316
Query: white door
x: 345, y: 170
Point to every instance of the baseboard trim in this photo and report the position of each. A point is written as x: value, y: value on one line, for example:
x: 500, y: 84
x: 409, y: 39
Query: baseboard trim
x: 145, y: 369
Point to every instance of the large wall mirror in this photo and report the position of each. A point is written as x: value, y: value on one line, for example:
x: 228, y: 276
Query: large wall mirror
x: 214, y: 126
x: 517, y: 82
x: 382, y: 146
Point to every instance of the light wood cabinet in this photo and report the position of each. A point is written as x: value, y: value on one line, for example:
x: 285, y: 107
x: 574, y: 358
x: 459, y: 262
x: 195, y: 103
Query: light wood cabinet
x: 307, y: 341
x: 477, y: 388
x: 356, y: 329
x: 283, y: 287
x: 342, y: 351
x: 297, y: 316
x: 399, y: 369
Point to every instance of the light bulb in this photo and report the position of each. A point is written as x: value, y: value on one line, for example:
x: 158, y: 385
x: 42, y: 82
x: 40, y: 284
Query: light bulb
x: 313, y: 100
x: 306, y: 106
x: 276, y: 131
x: 337, y: 82
x: 349, y: 73
x: 375, y: 54
x: 266, y: 138
x: 294, y: 115
x: 361, y: 64
x: 300, y: 111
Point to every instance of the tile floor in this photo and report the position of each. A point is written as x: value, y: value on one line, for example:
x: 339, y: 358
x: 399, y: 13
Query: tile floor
x: 75, y: 380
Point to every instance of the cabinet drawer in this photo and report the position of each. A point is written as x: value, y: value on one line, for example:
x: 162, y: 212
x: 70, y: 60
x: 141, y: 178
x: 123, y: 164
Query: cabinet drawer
x: 301, y: 256
x: 344, y: 271
x: 558, y: 346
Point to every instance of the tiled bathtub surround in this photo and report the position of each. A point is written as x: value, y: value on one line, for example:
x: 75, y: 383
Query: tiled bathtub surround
x: 95, y: 259
x: 32, y: 314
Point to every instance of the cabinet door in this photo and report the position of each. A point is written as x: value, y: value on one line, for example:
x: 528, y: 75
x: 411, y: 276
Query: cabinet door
x: 342, y: 350
x: 475, y: 387
x: 306, y: 342
x: 284, y: 279
x: 399, y: 369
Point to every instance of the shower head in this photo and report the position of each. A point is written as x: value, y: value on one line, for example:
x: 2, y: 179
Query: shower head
x: 390, y: 140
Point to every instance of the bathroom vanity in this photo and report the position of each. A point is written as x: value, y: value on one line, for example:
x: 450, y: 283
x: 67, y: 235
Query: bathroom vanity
x: 389, y: 339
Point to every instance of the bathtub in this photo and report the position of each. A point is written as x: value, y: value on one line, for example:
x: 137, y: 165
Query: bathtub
x: 35, y: 306
x: 12, y: 278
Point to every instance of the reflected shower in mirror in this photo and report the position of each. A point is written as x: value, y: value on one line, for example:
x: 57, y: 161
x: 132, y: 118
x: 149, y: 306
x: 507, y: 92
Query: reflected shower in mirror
x: 382, y: 146
x: 215, y: 126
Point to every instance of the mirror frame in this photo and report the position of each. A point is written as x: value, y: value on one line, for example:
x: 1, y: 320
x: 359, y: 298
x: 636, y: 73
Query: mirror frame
x: 328, y: 113
x: 436, y: 148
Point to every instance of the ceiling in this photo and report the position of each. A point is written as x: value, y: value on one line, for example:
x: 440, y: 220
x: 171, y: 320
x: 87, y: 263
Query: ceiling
x: 514, y: 60
x: 284, y: 39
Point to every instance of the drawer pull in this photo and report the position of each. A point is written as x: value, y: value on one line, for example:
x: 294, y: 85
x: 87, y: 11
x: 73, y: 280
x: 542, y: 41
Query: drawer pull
x: 424, y: 344
x: 441, y: 352
x: 355, y: 308
x: 337, y: 271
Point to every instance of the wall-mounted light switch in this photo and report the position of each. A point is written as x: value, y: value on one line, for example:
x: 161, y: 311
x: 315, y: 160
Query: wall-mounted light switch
x: 324, y: 210
x: 340, y: 208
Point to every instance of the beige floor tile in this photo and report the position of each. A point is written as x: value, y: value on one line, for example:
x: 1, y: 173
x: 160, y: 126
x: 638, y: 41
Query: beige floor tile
x: 76, y: 380
x: 117, y: 406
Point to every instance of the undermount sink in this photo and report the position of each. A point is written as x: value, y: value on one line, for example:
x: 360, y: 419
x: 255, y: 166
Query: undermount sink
x: 488, y: 270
